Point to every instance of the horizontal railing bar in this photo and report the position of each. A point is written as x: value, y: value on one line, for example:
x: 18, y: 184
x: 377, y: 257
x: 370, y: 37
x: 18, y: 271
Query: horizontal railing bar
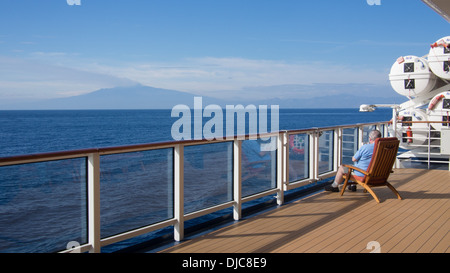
x: 38, y: 157
x: 29, y: 158
x: 78, y: 249
x: 300, y: 183
x: 423, y: 145
x: 227, y: 139
x: 135, y: 148
x: 136, y: 232
x: 307, y: 130
x: 35, y: 158
x: 415, y: 131
x: 424, y: 160
x: 259, y: 195
x: 300, y: 131
x: 422, y: 121
x: 209, y: 210
x: 326, y: 174
x: 424, y: 153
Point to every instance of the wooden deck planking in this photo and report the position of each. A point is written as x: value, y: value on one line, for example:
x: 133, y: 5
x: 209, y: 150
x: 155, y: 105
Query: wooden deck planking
x: 326, y: 222
x: 400, y: 222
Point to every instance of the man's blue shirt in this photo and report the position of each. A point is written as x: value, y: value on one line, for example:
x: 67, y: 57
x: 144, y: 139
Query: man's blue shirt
x: 363, y: 157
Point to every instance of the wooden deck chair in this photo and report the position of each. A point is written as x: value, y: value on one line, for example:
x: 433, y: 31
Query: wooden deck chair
x: 380, y: 167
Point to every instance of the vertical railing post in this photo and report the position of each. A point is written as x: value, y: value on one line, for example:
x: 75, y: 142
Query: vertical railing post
x: 282, y: 165
x: 307, y: 157
x: 94, y: 202
x: 360, y: 136
x: 179, y: 192
x: 429, y: 145
x: 394, y: 121
x: 318, y: 154
x: 378, y: 127
x: 314, y: 155
x: 337, y: 148
x: 331, y: 149
x: 237, y: 179
x: 355, y: 140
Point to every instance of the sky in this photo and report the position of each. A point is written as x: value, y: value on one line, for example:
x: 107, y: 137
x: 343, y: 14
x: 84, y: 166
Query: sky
x: 222, y: 48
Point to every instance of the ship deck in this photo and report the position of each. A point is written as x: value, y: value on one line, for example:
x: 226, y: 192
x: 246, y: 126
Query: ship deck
x: 328, y: 223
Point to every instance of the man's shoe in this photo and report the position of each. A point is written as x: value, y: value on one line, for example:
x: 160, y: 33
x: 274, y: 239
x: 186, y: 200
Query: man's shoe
x: 352, y: 187
x: 331, y: 188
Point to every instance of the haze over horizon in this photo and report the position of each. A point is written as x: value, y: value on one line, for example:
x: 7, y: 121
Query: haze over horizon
x: 226, y: 49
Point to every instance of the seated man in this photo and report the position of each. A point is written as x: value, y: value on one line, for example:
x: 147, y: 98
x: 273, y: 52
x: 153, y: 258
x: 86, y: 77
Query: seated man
x: 362, y: 158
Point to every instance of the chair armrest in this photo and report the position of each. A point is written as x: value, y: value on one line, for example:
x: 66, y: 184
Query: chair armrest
x: 351, y: 167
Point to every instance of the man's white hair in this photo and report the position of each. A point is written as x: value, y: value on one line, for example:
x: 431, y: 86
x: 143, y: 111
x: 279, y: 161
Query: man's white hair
x: 374, y: 134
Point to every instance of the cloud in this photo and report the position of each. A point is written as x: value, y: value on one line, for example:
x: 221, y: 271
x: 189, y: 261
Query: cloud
x: 210, y: 75
x: 308, y: 91
x: 57, y: 74
x: 35, y: 79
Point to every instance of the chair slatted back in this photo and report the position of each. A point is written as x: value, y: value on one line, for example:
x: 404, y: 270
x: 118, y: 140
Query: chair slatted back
x: 383, y: 159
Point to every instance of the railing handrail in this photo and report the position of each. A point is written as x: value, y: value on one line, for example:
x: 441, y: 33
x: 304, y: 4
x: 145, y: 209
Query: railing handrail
x: 47, y: 156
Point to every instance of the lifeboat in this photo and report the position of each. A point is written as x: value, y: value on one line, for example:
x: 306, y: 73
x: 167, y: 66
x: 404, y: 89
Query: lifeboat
x: 410, y: 76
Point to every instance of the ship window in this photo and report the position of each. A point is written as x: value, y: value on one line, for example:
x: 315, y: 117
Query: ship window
x: 410, y: 84
x: 444, y: 118
x: 446, y: 66
x: 447, y: 49
x: 408, y: 67
x: 404, y: 138
x: 446, y: 104
x: 407, y: 123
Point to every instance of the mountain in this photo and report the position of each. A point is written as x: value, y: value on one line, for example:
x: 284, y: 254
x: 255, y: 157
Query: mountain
x: 146, y: 97
x: 134, y: 97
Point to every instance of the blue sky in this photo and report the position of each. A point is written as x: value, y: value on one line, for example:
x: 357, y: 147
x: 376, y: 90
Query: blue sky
x: 208, y: 47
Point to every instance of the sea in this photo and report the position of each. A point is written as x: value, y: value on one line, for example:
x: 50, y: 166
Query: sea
x: 40, y: 211
x: 39, y: 131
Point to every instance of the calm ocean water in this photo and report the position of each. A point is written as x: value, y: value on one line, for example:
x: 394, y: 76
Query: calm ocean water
x: 43, y: 205
x: 25, y: 132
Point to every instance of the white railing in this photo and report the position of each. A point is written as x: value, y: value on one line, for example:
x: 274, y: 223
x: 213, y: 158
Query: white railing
x: 324, y: 149
x: 424, y: 145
